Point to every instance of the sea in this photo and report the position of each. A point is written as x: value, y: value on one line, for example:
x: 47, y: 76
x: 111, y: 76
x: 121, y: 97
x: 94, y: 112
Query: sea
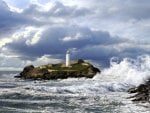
x: 105, y: 93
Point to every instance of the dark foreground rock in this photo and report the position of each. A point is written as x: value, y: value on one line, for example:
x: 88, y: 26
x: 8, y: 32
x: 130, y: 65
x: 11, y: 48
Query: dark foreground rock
x: 77, y: 69
x: 142, y: 92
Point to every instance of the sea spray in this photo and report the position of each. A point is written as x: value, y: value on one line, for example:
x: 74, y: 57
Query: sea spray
x: 128, y: 71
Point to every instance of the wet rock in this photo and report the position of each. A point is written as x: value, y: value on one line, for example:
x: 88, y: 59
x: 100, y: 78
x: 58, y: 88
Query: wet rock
x: 142, y: 92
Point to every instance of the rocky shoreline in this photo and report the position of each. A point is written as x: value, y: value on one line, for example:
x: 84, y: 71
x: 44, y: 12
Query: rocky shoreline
x: 77, y: 69
x: 142, y: 92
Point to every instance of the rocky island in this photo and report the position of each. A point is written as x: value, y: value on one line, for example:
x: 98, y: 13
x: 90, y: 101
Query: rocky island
x: 142, y: 92
x: 75, y: 69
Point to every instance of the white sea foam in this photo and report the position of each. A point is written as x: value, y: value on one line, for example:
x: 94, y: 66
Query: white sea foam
x: 128, y: 71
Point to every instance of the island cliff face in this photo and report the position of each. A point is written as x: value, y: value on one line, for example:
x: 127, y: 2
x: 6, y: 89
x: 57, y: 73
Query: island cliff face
x: 76, y: 69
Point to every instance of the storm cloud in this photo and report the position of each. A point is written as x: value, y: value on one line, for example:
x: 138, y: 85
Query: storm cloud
x: 97, y: 29
x: 57, y: 40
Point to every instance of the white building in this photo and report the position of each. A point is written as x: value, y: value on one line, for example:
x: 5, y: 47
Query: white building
x: 68, y: 58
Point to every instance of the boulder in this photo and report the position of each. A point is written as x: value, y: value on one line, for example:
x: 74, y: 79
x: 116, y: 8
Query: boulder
x: 142, y: 92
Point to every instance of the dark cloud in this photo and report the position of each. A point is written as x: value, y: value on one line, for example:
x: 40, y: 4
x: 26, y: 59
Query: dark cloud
x: 34, y: 15
x: 103, y: 54
x: 10, y: 21
x: 52, y: 41
x: 133, y: 52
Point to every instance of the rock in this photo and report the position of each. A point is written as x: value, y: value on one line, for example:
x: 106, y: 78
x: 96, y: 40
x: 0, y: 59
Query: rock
x: 132, y: 90
x: 142, y: 92
x: 80, y: 61
x: 28, y: 68
x: 77, y: 69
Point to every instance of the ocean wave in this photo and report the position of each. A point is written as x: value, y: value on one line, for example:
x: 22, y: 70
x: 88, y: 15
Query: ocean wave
x: 118, y: 78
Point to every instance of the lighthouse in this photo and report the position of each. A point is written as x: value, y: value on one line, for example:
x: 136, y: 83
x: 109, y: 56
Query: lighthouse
x: 68, y: 58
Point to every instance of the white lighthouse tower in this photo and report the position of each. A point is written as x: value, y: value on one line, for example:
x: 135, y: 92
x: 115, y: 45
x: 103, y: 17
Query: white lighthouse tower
x: 68, y: 58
